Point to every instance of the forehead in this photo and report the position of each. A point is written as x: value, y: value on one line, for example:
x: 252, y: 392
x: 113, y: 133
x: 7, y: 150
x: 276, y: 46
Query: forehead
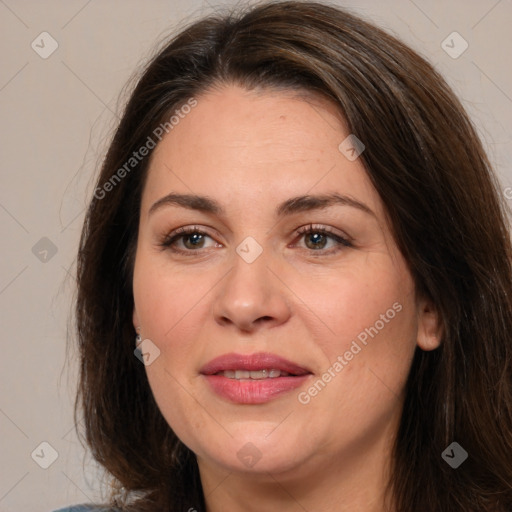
x: 257, y: 147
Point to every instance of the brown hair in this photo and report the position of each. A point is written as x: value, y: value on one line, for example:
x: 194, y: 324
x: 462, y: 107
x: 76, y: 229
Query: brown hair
x: 425, y: 160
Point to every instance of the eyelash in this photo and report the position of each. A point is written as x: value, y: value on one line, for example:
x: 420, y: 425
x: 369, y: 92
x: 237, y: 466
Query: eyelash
x: 168, y: 240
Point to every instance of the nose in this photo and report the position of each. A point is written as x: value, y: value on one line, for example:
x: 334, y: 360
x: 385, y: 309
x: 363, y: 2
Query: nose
x: 251, y: 297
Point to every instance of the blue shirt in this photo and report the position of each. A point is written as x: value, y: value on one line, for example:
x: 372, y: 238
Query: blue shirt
x: 84, y: 508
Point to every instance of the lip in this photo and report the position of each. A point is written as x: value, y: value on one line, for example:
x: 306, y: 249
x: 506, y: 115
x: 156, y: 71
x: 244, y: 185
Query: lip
x: 252, y: 362
x: 248, y: 391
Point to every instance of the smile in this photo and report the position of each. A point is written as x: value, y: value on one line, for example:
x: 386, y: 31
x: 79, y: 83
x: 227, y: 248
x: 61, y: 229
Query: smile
x: 253, y: 378
x: 253, y: 375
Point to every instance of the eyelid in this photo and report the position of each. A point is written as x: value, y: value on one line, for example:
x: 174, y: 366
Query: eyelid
x: 336, y: 233
x: 341, y: 239
x: 168, y: 238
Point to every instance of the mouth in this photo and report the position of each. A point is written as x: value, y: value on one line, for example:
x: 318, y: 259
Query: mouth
x: 254, y: 378
x: 254, y: 375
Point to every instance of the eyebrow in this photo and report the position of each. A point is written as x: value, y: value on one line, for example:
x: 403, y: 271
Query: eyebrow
x: 289, y: 207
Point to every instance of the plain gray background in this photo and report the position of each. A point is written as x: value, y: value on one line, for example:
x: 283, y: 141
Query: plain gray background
x: 56, y: 116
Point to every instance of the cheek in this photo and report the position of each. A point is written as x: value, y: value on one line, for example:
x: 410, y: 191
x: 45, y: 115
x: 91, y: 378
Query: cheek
x: 370, y: 321
x: 365, y: 325
x: 365, y: 302
x: 170, y: 306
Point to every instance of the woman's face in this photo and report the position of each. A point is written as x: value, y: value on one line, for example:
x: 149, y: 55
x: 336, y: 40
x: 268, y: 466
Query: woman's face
x: 283, y: 327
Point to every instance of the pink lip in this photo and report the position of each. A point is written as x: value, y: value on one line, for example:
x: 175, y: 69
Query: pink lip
x: 251, y: 362
x: 247, y: 391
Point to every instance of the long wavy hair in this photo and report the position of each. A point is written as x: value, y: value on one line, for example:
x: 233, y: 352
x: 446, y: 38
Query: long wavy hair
x: 448, y: 218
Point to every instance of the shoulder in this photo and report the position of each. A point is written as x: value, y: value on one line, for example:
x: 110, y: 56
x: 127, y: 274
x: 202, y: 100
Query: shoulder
x: 85, y: 508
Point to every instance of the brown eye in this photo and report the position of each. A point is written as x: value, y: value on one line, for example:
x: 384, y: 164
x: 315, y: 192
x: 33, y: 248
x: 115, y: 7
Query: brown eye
x: 195, y: 240
x: 315, y: 240
x: 188, y: 240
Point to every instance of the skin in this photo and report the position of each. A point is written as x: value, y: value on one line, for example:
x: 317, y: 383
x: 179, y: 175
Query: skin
x: 250, y: 151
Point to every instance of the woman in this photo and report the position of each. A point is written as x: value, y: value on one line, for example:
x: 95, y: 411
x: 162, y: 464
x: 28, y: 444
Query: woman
x: 294, y: 279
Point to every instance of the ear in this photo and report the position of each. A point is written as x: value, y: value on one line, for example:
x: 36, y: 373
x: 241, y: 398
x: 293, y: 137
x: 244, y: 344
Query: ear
x: 430, y: 329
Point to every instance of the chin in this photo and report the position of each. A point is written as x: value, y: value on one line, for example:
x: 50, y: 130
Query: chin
x: 254, y: 451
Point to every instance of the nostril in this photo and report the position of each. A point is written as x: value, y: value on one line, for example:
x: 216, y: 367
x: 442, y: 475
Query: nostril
x: 264, y: 319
